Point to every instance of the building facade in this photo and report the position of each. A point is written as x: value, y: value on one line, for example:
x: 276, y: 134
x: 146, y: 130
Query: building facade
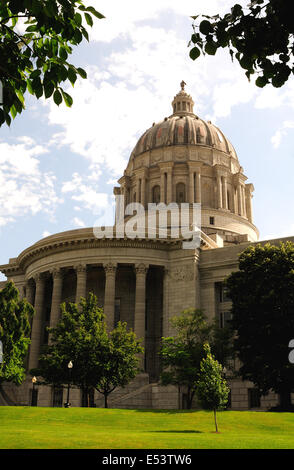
x: 145, y: 280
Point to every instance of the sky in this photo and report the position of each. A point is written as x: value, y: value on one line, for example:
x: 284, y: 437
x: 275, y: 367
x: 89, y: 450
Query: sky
x: 58, y: 165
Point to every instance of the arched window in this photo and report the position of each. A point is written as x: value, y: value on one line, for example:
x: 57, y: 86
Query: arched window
x: 156, y: 194
x: 180, y: 193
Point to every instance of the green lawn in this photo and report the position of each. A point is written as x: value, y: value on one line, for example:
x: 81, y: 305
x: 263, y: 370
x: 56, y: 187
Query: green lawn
x: 94, y: 428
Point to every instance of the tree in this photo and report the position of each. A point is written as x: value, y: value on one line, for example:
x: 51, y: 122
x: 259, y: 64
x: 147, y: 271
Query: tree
x: 212, y: 390
x: 36, y: 38
x: 181, y: 355
x: 120, y: 361
x: 15, y: 316
x: 102, y: 360
x: 260, y: 37
x: 262, y: 294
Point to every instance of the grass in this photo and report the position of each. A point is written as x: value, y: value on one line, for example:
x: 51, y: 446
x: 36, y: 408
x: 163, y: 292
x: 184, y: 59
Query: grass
x: 95, y: 428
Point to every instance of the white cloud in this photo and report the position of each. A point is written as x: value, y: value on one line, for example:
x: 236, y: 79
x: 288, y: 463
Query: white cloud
x: 24, y: 189
x: 46, y: 234
x: 133, y: 88
x: 281, y: 132
x: 78, y: 222
x: 122, y: 17
x: 84, y: 192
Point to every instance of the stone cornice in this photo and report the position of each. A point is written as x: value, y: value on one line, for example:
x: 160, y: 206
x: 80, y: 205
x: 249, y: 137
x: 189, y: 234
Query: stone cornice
x: 81, y: 239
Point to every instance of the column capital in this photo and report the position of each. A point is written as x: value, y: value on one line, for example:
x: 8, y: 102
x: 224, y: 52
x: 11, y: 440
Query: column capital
x: 195, y: 166
x: 110, y: 268
x: 166, y: 166
x: 39, y: 277
x: 166, y: 271
x: 81, y: 268
x: 141, y: 269
x: 56, y: 273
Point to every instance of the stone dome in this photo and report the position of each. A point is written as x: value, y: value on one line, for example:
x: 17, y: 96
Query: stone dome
x: 184, y: 159
x: 183, y: 127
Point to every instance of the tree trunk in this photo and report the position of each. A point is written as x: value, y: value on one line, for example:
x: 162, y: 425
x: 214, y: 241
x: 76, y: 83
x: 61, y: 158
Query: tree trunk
x: 216, y: 429
x: 190, y: 396
x: 105, y: 400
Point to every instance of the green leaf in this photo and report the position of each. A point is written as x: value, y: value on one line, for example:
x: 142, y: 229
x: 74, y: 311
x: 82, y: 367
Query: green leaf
x: 57, y: 97
x: 261, y: 82
x: 205, y: 27
x: 78, y: 19
x: 72, y: 76
x: 95, y: 12
x: 210, y: 48
x: 29, y: 87
x: 89, y: 19
x: 82, y: 72
x: 48, y: 89
x: 20, y: 97
x: 62, y: 53
x: 195, y: 38
x: 67, y: 98
x: 194, y: 53
x: 13, y: 111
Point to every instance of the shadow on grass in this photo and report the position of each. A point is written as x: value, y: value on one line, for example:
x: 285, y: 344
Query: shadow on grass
x: 179, y: 432
x: 167, y: 411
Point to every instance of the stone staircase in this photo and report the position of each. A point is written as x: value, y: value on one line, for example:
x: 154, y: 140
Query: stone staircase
x: 140, y: 394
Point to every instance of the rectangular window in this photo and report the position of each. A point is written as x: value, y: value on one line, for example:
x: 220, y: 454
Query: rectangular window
x: 224, y: 294
x: 211, y: 220
x: 224, y: 319
x: 253, y: 398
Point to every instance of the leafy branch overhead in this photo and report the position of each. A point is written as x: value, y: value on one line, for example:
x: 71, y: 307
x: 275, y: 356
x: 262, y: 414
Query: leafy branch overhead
x: 259, y: 36
x: 36, y: 39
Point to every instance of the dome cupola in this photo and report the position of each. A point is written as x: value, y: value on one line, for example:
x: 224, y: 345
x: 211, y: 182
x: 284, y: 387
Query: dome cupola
x: 182, y: 102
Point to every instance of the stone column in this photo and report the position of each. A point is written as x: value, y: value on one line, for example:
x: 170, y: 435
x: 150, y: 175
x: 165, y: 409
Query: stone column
x: 169, y: 190
x: 57, y: 277
x: 109, y: 296
x: 162, y: 186
x: 37, y: 321
x: 249, y: 189
x: 239, y: 198
x: 81, y: 271
x: 191, y: 186
x: 198, y: 187
x: 219, y: 192
x: 143, y: 191
x: 225, y: 192
x: 244, y: 200
x: 30, y: 291
x: 140, y: 303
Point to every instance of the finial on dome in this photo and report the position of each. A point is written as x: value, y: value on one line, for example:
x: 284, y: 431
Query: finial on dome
x: 183, y: 85
x: 183, y: 103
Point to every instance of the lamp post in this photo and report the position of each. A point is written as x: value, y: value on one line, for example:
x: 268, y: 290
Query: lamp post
x: 69, y: 366
x: 34, y: 401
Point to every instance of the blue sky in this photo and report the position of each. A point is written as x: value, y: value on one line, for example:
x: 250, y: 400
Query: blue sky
x: 58, y: 165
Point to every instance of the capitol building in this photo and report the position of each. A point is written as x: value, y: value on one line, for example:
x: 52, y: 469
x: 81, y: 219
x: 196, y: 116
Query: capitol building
x: 146, y: 280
